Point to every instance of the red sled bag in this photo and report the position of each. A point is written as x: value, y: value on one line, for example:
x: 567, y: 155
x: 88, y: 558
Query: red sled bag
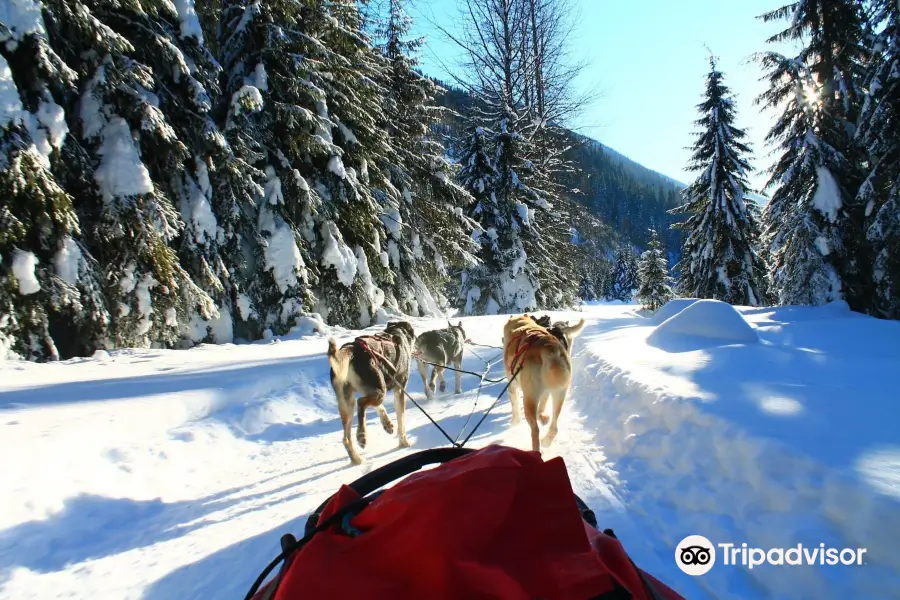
x: 495, y: 523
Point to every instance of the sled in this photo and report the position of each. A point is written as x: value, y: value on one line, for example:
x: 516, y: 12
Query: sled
x: 496, y: 523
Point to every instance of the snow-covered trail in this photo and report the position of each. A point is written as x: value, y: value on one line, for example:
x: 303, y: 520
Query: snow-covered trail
x: 172, y: 474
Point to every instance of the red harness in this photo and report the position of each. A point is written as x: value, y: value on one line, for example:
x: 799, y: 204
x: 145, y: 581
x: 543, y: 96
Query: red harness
x: 377, y: 355
x: 525, y: 342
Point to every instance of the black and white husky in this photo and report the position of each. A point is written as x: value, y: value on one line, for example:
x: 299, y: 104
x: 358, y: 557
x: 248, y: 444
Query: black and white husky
x: 441, y: 347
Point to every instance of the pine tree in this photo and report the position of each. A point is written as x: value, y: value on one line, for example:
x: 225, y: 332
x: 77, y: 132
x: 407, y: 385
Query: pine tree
x: 625, y: 275
x: 306, y: 109
x: 813, y: 223
x: 524, y: 234
x: 802, y: 221
x: 653, y: 268
x: 438, y: 238
x: 51, y: 302
x: 719, y: 259
x: 879, y: 132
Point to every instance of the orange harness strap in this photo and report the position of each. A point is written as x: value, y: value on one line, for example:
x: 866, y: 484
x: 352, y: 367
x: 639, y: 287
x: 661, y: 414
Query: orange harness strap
x: 525, y: 341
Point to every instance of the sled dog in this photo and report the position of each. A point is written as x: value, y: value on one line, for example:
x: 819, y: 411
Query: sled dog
x: 558, y: 329
x: 370, y: 365
x: 544, y: 370
x: 441, y: 347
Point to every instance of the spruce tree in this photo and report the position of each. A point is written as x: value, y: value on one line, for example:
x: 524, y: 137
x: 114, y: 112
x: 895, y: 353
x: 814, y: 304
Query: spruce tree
x: 51, y: 301
x: 802, y: 223
x: 304, y: 107
x: 880, y: 134
x: 719, y: 258
x: 814, y: 222
x: 624, y: 280
x: 438, y: 238
x: 653, y: 274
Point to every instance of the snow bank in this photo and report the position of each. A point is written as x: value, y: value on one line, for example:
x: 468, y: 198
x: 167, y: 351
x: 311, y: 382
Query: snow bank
x: 794, y: 440
x: 672, y: 308
x: 707, y: 319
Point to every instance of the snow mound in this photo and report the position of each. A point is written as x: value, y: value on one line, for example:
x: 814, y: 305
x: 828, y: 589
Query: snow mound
x: 672, y: 308
x: 708, y: 319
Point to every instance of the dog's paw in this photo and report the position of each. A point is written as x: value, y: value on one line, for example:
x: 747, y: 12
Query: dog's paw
x: 356, y: 459
x: 516, y: 420
x: 544, y: 419
x: 443, y: 386
x: 404, y: 443
x: 361, y: 438
x: 548, y: 439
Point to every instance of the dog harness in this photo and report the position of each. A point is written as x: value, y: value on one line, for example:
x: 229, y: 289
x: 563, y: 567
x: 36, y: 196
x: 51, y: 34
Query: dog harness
x: 525, y: 342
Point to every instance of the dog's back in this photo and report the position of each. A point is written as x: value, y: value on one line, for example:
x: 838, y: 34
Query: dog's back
x: 439, y: 345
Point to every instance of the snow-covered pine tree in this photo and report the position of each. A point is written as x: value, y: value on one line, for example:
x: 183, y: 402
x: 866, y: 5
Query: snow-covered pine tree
x: 477, y: 174
x: 187, y: 157
x: 653, y: 274
x: 523, y: 225
x: 51, y: 303
x: 719, y: 258
x: 880, y: 133
x: 802, y: 221
x: 814, y: 221
x: 129, y: 220
x: 305, y: 107
x: 439, y: 233
x: 625, y: 274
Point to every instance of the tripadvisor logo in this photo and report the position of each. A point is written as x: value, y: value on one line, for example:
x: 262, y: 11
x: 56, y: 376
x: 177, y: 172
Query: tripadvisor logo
x: 696, y: 555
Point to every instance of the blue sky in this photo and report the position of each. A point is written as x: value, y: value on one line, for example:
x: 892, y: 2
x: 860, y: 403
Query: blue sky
x: 648, y: 61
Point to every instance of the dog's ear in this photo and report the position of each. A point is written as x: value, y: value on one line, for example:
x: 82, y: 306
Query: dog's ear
x: 459, y: 324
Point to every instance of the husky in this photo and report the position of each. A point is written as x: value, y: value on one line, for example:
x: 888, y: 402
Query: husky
x: 557, y: 328
x: 370, y: 365
x: 441, y: 347
x: 538, y: 364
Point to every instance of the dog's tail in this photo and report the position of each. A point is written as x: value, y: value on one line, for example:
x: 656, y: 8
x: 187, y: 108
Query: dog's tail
x: 339, y: 364
x: 573, y: 331
x: 557, y: 370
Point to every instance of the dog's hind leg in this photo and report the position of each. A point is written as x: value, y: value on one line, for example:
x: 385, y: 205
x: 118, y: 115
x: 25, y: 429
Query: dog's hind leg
x: 345, y: 405
x: 440, y: 373
x: 423, y: 371
x: 363, y: 403
x: 513, y: 392
x: 400, y: 407
x: 530, y: 403
x: 541, y: 408
x: 559, y: 397
x: 458, y: 364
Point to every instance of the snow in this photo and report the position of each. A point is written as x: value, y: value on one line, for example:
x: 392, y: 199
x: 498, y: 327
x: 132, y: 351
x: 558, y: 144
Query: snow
x: 21, y: 17
x: 121, y: 172
x: 190, y: 23
x: 53, y: 118
x: 196, y: 207
x: 145, y: 302
x: 162, y: 474
x: 68, y: 261
x: 10, y: 103
x: 336, y: 166
x: 337, y: 254
x: 707, y: 320
x: 827, y: 198
x: 281, y: 253
x: 23, y: 264
x: 244, y: 306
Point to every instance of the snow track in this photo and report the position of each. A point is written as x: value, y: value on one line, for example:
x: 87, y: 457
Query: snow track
x: 161, y: 475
